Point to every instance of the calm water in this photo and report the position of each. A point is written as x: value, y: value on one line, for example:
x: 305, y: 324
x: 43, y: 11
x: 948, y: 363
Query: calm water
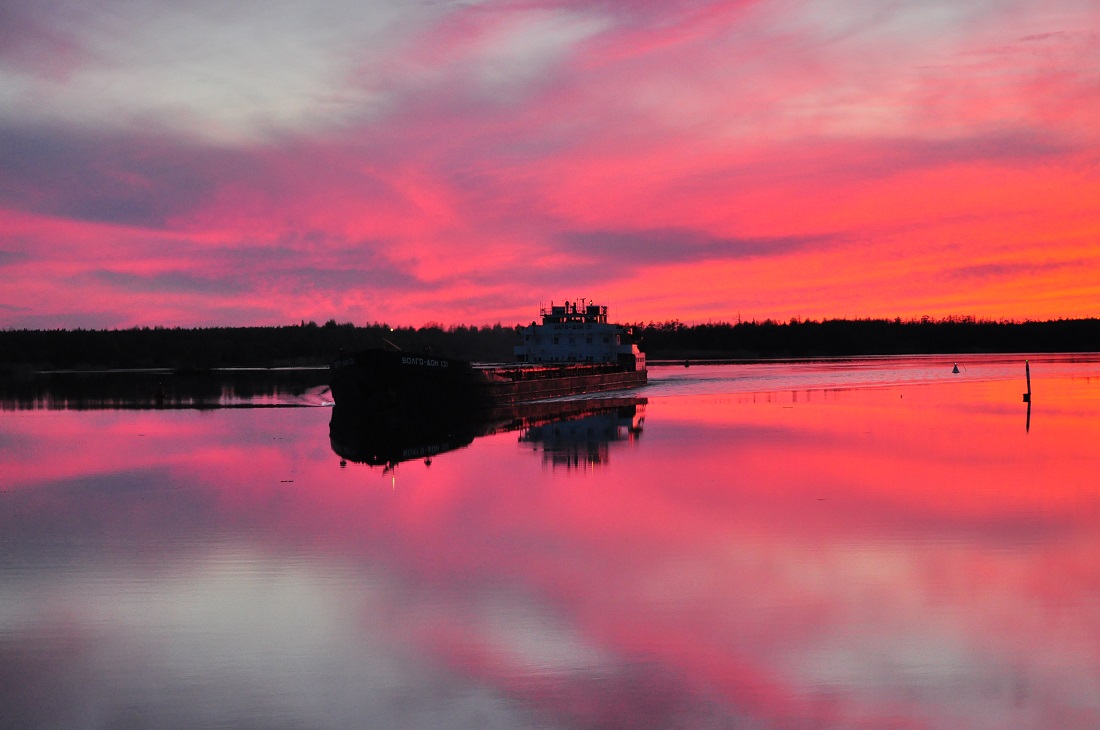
x: 865, y: 544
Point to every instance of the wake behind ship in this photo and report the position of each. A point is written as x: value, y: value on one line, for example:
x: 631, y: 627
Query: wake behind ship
x: 573, y: 351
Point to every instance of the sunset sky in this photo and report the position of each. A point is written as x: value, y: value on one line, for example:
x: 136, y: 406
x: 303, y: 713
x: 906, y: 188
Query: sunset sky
x: 200, y: 163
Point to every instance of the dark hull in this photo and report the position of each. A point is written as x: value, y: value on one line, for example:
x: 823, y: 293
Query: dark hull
x: 376, y: 380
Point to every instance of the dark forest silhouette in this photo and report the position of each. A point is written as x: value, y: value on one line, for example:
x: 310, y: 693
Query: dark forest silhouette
x: 308, y: 343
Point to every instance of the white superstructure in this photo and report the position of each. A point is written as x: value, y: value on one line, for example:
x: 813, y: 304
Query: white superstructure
x: 573, y: 333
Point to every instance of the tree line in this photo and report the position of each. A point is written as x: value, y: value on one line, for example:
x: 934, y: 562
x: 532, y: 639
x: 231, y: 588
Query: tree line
x: 310, y: 344
x: 844, y: 337
x: 302, y: 345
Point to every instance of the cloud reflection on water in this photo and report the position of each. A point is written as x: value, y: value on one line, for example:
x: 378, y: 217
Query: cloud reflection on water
x: 903, y: 556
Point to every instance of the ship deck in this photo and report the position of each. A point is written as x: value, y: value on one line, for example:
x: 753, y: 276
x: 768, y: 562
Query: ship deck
x: 535, y: 371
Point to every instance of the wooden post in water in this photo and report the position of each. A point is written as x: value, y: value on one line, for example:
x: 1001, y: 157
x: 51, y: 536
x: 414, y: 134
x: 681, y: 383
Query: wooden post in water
x: 1027, y: 372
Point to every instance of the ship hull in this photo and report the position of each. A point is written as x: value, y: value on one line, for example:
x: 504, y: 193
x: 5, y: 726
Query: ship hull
x: 378, y: 380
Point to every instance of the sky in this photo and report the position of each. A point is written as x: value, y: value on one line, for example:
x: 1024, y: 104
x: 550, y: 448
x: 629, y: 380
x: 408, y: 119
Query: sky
x: 264, y: 162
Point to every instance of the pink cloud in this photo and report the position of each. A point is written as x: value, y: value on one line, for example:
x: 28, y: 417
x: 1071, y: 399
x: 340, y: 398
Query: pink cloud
x: 473, y: 145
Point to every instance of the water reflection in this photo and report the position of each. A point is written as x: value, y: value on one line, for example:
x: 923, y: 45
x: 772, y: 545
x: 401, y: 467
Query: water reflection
x: 585, y: 441
x: 791, y: 557
x: 570, y: 432
x: 141, y: 389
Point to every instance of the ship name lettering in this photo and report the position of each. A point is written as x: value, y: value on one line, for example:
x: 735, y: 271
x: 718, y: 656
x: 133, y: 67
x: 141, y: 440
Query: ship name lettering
x: 429, y: 362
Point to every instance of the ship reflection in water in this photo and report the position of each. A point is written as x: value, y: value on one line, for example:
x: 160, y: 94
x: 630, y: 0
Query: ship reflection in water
x: 584, y: 441
x: 570, y: 433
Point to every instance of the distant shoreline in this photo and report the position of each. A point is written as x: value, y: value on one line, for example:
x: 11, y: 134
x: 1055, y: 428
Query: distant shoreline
x: 311, y: 345
x: 666, y: 361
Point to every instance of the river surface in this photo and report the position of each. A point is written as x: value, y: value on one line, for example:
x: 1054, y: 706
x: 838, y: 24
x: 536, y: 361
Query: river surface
x: 871, y: 543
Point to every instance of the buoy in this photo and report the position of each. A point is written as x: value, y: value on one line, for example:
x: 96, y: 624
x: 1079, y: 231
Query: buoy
x: 956, y: 368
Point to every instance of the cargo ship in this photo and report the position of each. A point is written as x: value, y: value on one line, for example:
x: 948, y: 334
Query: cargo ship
x: 573, y: 350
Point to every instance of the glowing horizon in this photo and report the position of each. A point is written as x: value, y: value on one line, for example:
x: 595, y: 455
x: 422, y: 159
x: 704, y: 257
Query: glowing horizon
x: 461, y: 163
